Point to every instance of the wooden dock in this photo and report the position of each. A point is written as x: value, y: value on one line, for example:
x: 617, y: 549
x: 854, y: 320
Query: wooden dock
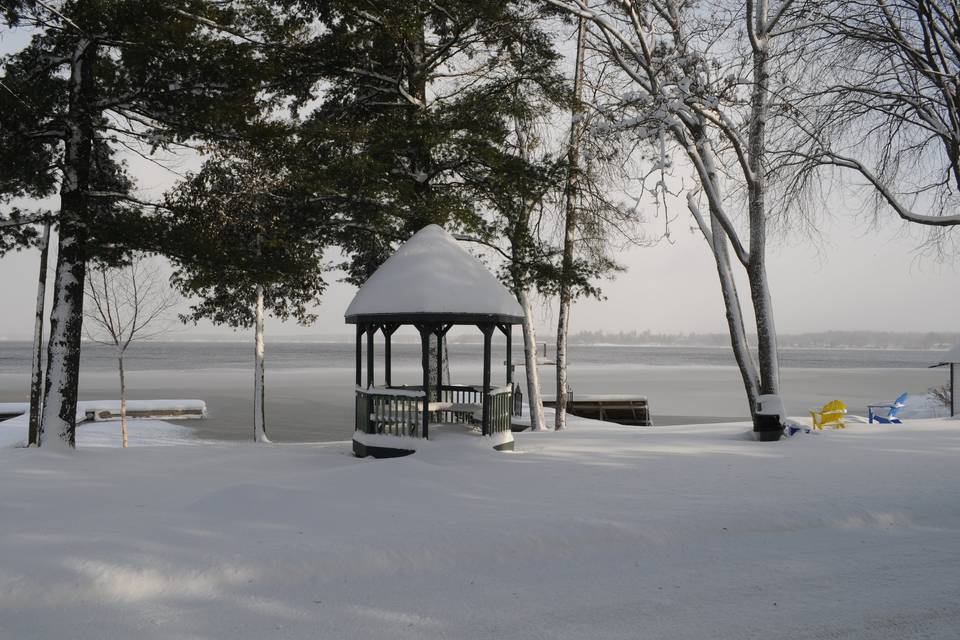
x: 99, y: 410
x: 631, y: 410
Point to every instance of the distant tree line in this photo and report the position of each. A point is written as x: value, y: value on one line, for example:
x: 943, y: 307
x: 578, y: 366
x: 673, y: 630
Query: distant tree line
x: 817, y: 340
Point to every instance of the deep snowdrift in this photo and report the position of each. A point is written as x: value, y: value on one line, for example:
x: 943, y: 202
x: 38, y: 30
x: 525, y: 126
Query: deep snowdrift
x: 598, y: 532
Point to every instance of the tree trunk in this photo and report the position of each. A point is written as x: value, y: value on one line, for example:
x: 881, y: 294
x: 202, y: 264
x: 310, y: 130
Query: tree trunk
x: 767, y: 350
x: 534, y: 397
x: 569, y: 229
x: 756, y: 269
x: 716, y: 239
x: 36, y: 373
x: 731, y: 302
x: 123, y: 401
x: 444, y: 365
x: 58, y: 421
x: 259, y: 387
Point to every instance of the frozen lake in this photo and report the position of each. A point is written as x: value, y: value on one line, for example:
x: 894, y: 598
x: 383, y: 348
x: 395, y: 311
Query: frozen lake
x: 310, y: 385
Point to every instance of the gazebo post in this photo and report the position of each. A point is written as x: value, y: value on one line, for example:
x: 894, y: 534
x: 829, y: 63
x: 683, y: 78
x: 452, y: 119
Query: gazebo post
x: 507, y: 331
x: 439, y: 335
x: 440, y: 332
x: 371, y: 331
x: 425, y: 363
x: 487, y: 330
x: 388, y: 330
x: 360, y: 330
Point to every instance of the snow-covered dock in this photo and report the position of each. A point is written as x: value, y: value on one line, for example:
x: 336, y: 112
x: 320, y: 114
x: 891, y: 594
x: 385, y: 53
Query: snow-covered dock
x: 96, y: 410
x: 600, y: 531
x: 149, y: 420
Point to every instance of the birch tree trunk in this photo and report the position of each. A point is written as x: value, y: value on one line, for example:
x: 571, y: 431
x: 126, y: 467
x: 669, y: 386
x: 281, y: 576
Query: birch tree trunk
x: 534, y: 396
x: 123, y: 401
x: 569, y: 229
x: 36, y: 373
x: 717, y: 240
x: 734, y: 314
x: 756, y: 268
x: 259, y: 374
x: 58, y: 421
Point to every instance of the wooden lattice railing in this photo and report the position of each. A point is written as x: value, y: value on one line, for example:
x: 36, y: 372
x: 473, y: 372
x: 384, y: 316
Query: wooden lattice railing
x: 396, y: 410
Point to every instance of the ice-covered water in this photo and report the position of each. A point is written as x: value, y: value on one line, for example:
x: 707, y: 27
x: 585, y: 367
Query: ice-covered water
x: 310, y: 384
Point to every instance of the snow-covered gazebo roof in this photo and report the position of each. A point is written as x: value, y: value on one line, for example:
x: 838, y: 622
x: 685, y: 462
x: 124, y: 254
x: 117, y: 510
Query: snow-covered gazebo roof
x: 432, y: 276
x: 950, y: 357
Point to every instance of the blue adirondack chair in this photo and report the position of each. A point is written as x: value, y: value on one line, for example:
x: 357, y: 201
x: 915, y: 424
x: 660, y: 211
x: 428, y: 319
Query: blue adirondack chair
x: 893, y: 408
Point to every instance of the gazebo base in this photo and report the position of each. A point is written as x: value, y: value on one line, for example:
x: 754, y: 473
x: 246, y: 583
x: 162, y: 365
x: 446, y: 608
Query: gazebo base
x: 388, y: 446
x: 362, y: 451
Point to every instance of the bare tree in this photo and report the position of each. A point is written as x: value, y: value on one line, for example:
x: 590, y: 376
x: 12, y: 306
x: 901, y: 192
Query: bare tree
x: 708, y: 84
x: 887, y: 107
x: 128, y: 304
x: 570, y: 225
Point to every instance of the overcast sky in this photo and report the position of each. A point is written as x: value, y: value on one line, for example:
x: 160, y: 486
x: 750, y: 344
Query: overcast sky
x: 855, y: 276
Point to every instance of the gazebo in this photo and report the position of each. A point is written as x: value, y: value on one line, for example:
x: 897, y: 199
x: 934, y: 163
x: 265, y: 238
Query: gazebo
x: 433, y: 284
x: 952, y: 359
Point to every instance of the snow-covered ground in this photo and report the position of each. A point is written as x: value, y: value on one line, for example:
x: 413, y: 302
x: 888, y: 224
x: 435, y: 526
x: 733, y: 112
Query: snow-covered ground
x: 106, y: 433
x: 598, y: 532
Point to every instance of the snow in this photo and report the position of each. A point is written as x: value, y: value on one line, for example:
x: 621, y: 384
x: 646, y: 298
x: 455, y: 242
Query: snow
x: 443, y: 436
x: 385, y: 391
x: 142, y: 433
x: 432, y: 273
x: 105, y: 432
x: 600, y: 531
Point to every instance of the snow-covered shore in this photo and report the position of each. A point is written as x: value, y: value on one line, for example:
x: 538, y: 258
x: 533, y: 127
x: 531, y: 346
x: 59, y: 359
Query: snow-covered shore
x: 601, y: 532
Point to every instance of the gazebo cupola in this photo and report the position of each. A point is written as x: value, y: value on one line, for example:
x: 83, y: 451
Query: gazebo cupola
x: 431, y: 283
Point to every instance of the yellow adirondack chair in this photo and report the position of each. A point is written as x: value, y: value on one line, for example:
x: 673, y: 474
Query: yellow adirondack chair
x: 831, y: 414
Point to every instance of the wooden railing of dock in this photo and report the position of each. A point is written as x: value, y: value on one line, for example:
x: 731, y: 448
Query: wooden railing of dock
x: 629, y: 410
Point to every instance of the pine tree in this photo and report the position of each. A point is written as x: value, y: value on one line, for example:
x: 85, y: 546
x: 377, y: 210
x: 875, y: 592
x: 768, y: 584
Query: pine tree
x: 98, y: 77
x: 414, y: 112
x: 244, y: 241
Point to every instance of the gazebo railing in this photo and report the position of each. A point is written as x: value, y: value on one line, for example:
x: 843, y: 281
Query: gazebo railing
x: 388, y: 412
x: 396, y: 410
x: 501, y: 409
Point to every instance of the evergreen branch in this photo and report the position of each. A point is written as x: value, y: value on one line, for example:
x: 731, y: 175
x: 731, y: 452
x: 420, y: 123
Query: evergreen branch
x: 60, y: 15
x: 19, y: 222
x: 216, y: 25
x: 116, y: 195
